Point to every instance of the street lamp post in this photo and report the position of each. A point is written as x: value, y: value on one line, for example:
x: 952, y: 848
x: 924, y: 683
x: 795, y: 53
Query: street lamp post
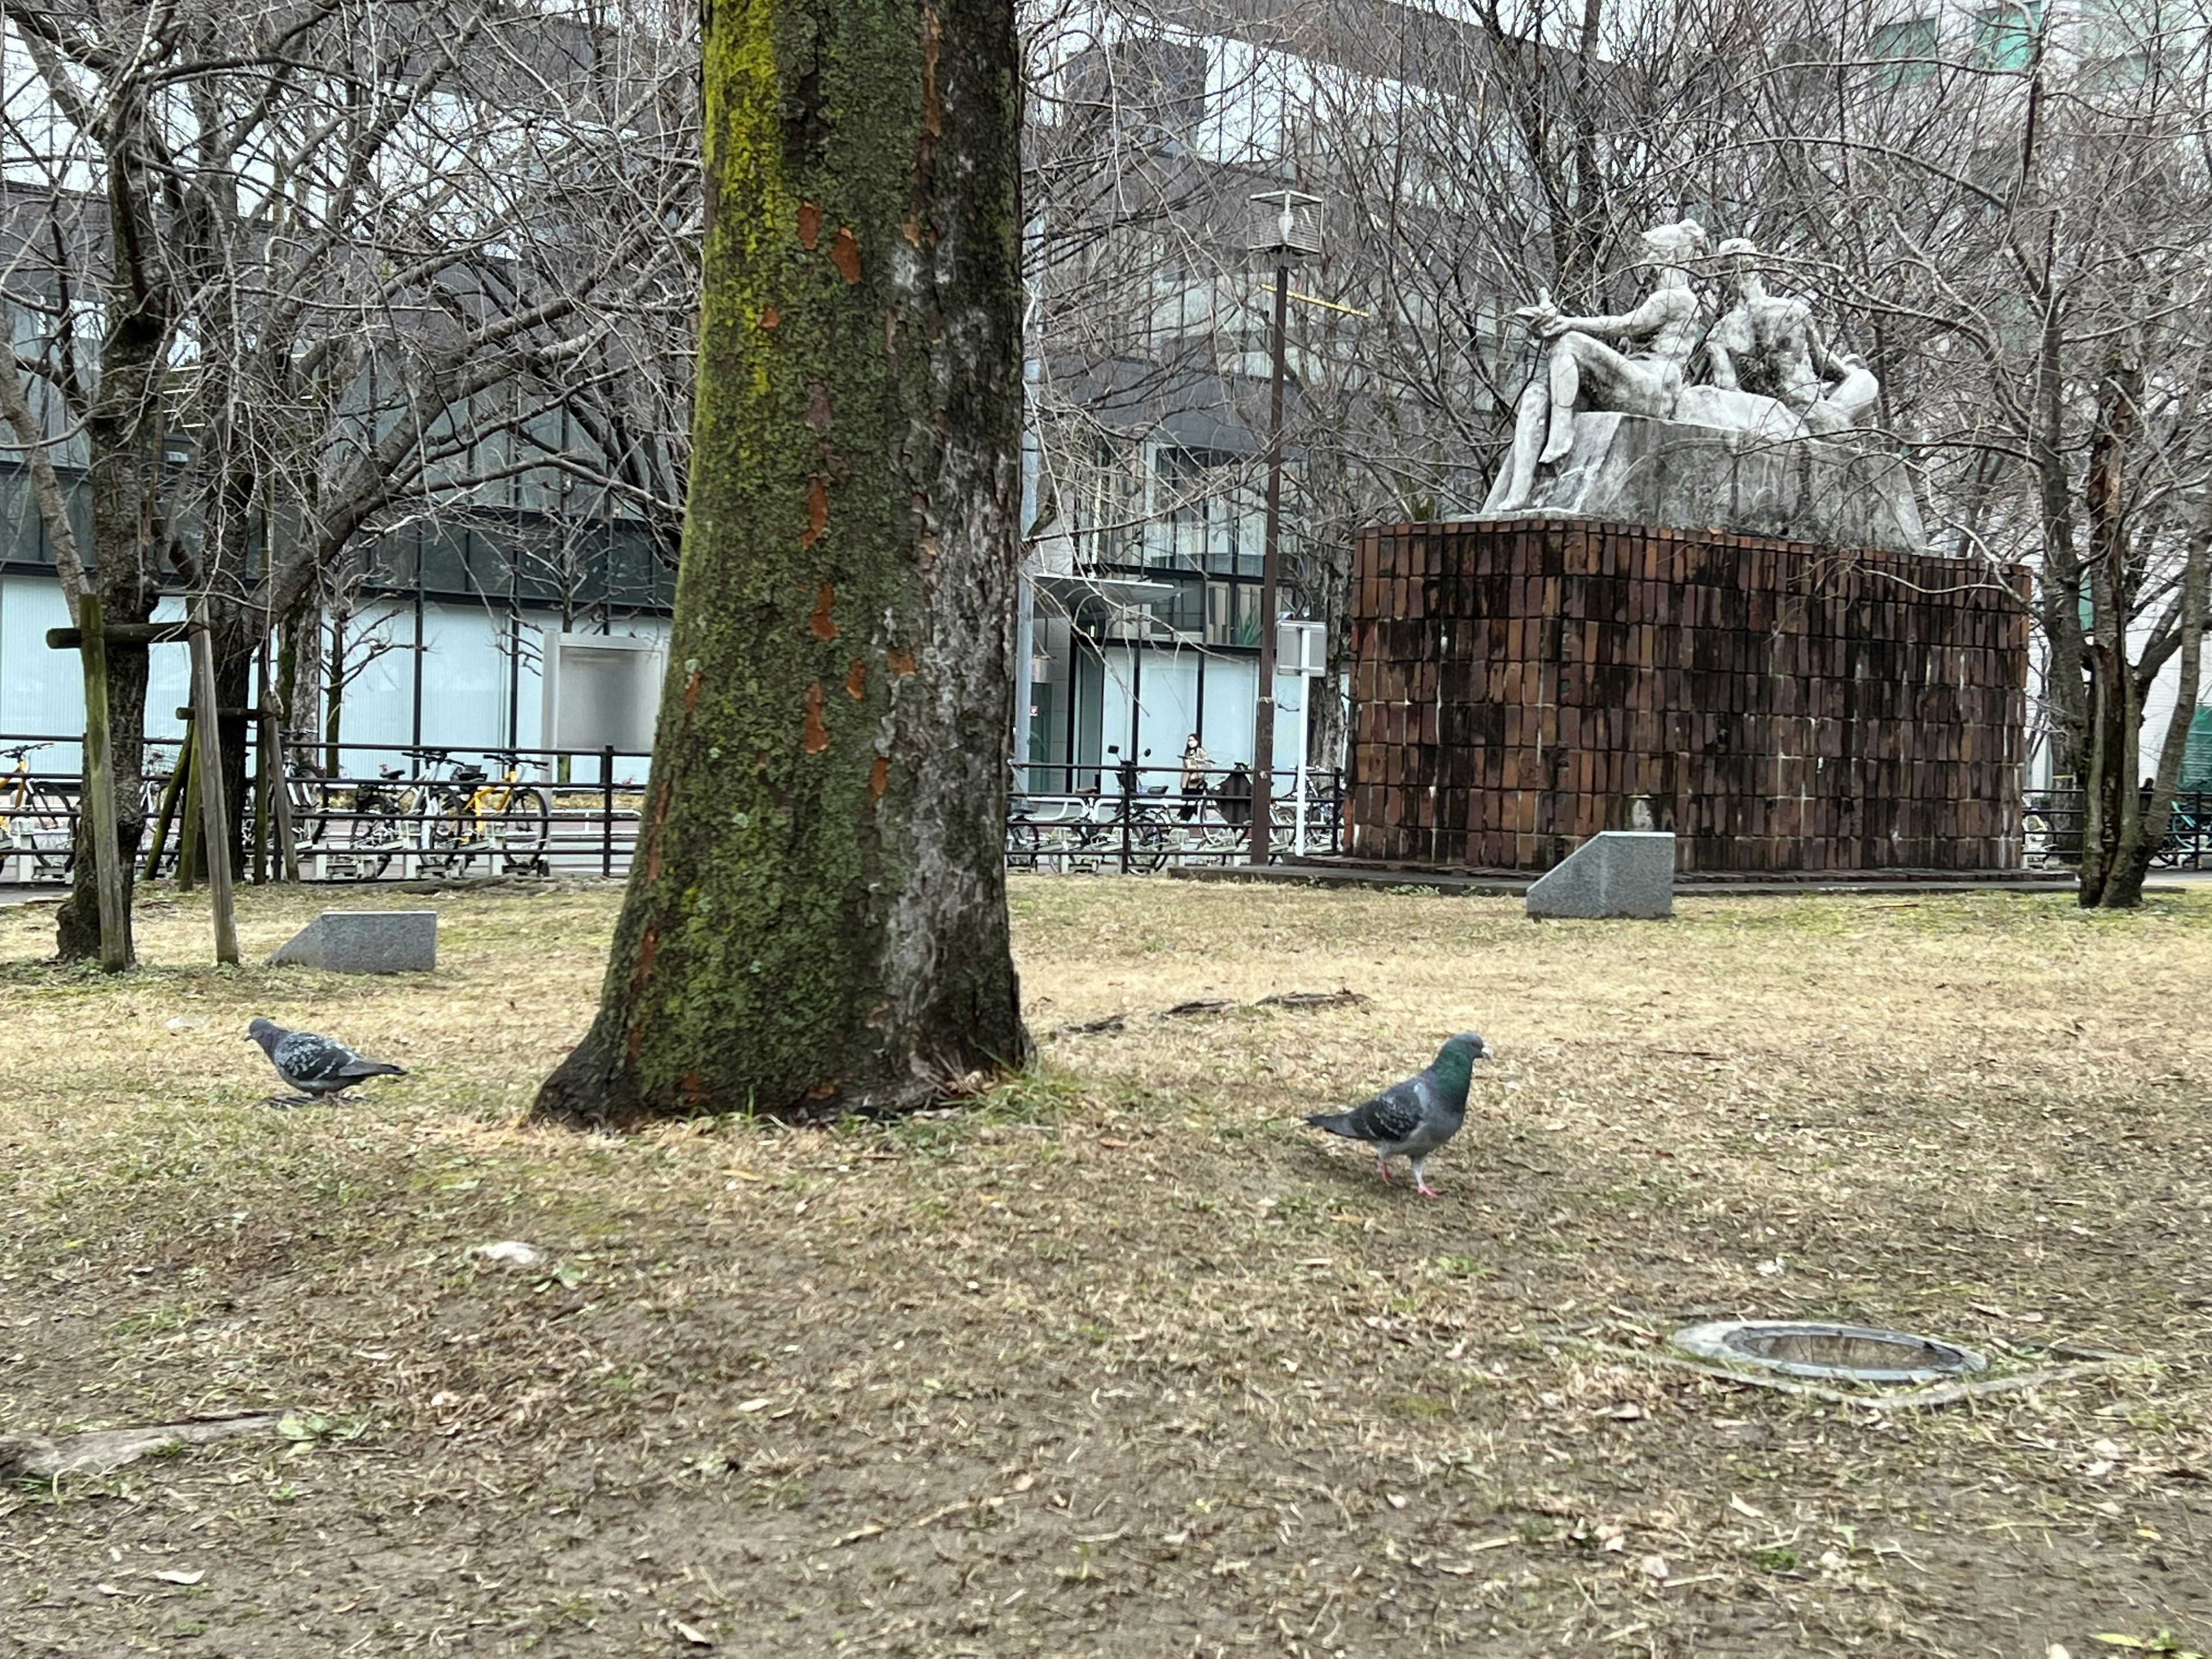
x: 1291, y: 230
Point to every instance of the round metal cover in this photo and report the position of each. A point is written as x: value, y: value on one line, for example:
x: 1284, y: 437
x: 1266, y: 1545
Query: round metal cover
x: 1816, y: 1348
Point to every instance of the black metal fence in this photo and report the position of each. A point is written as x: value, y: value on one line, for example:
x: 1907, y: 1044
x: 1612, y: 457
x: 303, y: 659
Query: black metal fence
x: 450, y: 812
x: 446, y: 812
x: 1127, y: 817
x: 2051, y: 821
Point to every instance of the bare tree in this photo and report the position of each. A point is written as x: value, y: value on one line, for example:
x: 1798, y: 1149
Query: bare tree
x: 338, y: 243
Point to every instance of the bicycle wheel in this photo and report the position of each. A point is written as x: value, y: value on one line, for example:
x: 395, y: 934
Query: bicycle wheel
x: 49, y: 831
x: 1148, y: 845
x: 521, y: 831
x: 371, y: 844
x: 447, y: 844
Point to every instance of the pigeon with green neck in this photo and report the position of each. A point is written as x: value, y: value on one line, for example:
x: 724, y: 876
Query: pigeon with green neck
x: 1413, y: 1118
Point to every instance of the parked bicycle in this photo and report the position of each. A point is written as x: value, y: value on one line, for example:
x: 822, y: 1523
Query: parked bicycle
x: 40, y: 816
x: 450, y: 815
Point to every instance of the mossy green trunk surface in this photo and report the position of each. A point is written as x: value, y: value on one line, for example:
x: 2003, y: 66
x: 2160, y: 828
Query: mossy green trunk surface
x: 815, y: 919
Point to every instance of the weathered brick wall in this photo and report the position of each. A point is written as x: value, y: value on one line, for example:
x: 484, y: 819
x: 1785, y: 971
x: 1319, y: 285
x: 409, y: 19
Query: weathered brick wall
x: 1519, y: 686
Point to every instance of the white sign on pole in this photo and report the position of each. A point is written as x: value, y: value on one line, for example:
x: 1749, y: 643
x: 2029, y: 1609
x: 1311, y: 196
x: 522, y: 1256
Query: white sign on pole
x: 602, y: 691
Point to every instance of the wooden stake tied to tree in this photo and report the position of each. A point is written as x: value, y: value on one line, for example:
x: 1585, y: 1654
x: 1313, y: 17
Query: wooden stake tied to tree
x: 816, y: 917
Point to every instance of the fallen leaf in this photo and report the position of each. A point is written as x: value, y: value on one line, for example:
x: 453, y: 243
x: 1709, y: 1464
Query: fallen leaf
x: 172, y: 1576
x: 760, y: 1405
x: 1654, y: 1566
x: 1751, y: 1510
x: 1397, y: 1501
x: 697, y: 1638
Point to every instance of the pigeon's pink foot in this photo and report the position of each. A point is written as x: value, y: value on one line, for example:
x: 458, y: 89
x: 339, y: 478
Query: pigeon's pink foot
x: 1383, y: 1169
x: 1427, y: 1191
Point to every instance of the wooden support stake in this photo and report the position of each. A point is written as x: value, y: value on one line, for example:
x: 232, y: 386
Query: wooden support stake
x: 170, y: 797
x: 188, y: 837
x: 96, y: 817
x: 263, y: 806
x: 288, y: 849
x: 214, y: 832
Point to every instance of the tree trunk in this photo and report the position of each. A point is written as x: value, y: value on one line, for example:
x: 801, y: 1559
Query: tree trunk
x: 119, y: 426
x: 2130, y: 863
x: 816, y: 918
x: 116, y: 433
x: 2111, y: 810
x: 236, y: 641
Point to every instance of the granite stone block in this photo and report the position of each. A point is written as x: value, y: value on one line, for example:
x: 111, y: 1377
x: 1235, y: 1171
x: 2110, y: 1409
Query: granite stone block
x: 365, y: 942
x: 1616, y: 873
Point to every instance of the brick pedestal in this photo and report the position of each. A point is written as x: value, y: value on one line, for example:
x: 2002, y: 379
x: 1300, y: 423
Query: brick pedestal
x: 1518, y: 685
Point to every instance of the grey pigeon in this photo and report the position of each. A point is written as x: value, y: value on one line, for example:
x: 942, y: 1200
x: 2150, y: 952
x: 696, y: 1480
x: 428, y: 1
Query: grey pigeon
x: 1417, y: 1116
x: 316, y: 1066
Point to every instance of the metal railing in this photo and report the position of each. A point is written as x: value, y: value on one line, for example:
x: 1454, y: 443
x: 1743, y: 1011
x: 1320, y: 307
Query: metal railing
x: 1131, y: 818
x: 2051, y: 822
x: 454, y: 812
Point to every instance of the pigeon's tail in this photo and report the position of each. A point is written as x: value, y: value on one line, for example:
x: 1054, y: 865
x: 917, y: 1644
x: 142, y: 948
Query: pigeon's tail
x: 1337, y: 1123
x: 362, y: 1068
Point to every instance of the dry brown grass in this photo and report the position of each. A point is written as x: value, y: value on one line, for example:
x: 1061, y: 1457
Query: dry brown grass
x: 1121, y: 1360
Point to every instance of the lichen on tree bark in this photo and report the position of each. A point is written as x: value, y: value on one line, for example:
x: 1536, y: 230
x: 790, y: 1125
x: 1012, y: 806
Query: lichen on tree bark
x: 815, y: 919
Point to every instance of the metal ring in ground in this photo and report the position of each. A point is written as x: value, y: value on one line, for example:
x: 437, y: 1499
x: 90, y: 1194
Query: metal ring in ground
x: 1820, y: 1349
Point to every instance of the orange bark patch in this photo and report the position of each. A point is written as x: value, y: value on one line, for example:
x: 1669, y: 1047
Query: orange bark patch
x: 643, y: 968
x: 856, y: 679
x: 844, y: 254
x: 770, y: 318
x: 879, y: 777
x: 637, y: 1042
x: 694, y: 1088
x: 900, y: 663
x: 815, y: 736
x: 912, y: 231
x: 818, y: 516
x: 692, y: 692
x: 821, y: 624
x: 810, y: 224
x: 932, y: 106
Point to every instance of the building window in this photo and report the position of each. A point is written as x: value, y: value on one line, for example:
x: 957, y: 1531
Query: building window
x: 1232, y: 613
x: 2005, y: 35
x: 1905, y: 52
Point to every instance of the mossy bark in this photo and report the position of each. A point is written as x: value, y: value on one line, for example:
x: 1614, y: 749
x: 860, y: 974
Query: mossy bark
x: 815, y: 919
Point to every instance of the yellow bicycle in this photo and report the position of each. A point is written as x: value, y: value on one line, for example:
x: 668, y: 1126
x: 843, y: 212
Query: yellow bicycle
x: 39, y: 817
x: 466, y: 814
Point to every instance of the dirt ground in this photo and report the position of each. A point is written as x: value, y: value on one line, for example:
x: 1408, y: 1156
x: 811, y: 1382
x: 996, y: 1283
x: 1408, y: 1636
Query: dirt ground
x: 1123, y: 1360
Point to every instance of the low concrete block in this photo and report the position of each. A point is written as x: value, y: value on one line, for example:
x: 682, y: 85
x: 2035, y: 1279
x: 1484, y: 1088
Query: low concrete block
x: 1617, y: 872
x: 365, y: 942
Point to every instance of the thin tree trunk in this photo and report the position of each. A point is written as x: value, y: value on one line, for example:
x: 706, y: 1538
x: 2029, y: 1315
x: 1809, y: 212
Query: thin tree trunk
x: 2111, y: 809
x: 815, y: 919
x: 2058, y: 594
x: 2123, y: 888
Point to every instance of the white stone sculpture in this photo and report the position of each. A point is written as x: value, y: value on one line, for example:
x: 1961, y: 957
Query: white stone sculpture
x: 1582, y: 371
x: 1770, y: 345
x: 1769, y: 446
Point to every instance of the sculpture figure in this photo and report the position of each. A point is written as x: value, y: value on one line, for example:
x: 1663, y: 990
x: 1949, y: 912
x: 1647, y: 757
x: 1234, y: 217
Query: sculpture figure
x: 1735, y: 450
x: 1639, y: 374
x: 1770, y: 345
